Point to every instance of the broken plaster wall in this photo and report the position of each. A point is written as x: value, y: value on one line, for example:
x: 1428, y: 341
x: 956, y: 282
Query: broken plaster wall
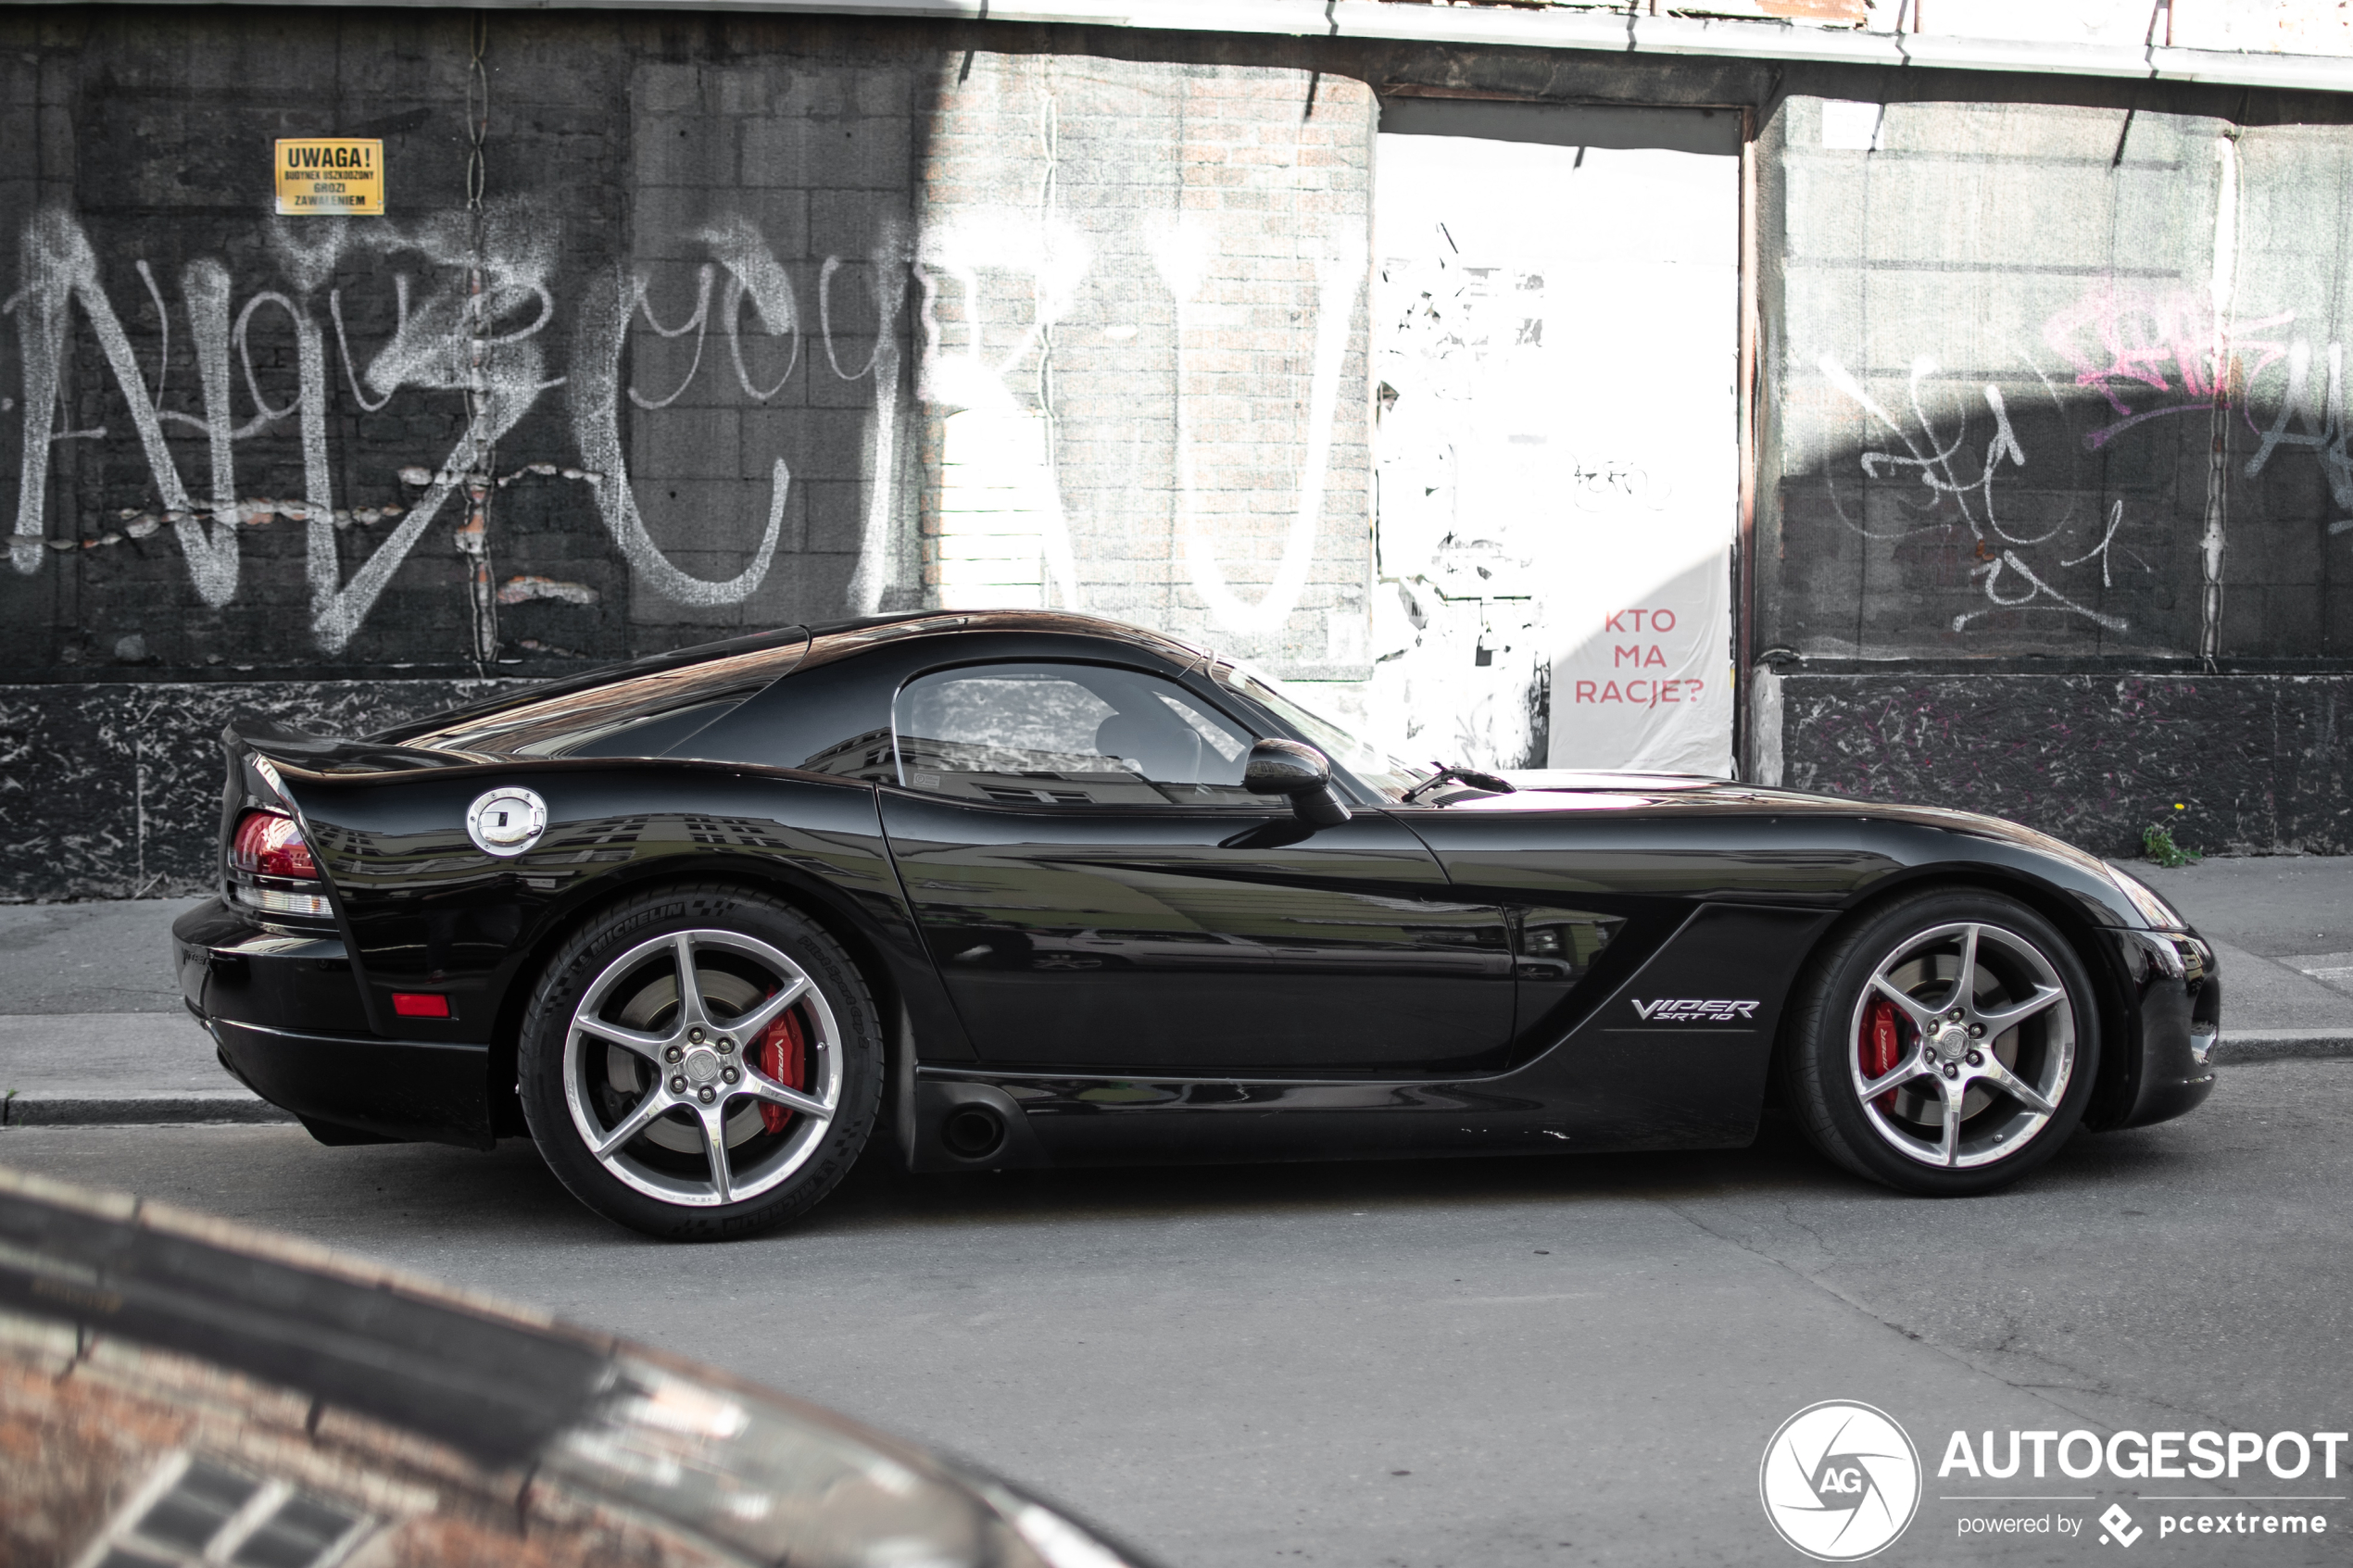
x: 112, y: 789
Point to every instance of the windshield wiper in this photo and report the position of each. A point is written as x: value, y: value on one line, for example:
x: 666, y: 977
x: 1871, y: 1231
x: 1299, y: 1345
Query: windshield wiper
x: 1491, y: 782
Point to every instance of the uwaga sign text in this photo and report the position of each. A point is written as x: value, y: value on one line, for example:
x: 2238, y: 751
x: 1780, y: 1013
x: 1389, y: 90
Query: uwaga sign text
x: 330, y: 177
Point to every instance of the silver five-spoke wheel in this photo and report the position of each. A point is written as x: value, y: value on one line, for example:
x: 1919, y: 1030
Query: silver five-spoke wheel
x: 701, y: 1067
x: 1964, y: 1045
x: 1945, y: 1041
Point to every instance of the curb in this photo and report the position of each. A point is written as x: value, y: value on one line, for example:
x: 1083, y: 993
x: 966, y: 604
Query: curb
x: 2279, y: 1045
x: 70, y: 1108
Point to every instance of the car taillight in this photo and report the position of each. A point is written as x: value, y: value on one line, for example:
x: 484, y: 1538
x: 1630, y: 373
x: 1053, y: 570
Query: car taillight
x: 268, y: 844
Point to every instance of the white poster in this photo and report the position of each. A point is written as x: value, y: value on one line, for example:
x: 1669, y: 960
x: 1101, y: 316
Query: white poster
x: 1555, y: 335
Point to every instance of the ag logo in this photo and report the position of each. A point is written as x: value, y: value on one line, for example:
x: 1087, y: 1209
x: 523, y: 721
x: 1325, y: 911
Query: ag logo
x: 1840, y: 1481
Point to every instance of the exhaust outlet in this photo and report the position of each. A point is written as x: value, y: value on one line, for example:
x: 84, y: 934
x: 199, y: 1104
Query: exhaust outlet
x: 961, y: 1125
x: 973, y: 1132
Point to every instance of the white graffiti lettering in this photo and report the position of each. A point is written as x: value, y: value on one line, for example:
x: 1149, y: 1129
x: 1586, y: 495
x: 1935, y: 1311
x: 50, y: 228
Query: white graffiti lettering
x: 1181, y: 256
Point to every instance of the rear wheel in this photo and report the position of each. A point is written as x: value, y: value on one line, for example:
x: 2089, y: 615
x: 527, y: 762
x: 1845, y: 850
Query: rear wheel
x: 1946, y: 1045
x: 700, y: 1064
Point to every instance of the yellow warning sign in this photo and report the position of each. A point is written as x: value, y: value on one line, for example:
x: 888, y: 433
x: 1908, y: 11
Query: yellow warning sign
x: 330, y: 177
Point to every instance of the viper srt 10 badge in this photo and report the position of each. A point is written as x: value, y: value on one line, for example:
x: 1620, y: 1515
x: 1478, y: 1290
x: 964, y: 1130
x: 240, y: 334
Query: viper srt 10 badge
x: 1687, y: 1010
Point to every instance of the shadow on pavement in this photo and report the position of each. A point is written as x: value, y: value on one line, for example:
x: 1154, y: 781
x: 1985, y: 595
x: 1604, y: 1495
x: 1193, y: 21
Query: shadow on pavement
x: 511, y: 1194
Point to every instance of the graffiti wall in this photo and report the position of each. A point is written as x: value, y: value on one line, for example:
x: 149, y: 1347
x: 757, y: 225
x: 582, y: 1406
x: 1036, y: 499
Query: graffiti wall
x: 662, y: 336
x: 1141, y: 297
x: 679, y: 325
x: 2060, y: 390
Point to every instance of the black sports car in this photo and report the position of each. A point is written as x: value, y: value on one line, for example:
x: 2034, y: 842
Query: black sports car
x: 1036, y: 888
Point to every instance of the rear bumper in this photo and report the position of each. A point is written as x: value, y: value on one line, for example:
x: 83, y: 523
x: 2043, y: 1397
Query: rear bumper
x: 285, y: 1007
x: 394, y: 1088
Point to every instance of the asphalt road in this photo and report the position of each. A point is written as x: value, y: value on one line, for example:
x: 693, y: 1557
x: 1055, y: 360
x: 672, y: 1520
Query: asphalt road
x: 1540, y: 1361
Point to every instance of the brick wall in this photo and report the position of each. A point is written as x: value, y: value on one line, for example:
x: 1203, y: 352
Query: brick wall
x: 1160, y: 263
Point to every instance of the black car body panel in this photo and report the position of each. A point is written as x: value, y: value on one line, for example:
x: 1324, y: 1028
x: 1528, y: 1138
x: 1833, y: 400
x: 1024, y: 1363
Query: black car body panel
x: 1613, y: 1081
x: 1054, y: 933
x: 1213, y: 980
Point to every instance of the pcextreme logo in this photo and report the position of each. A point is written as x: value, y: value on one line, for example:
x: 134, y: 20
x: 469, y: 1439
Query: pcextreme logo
x: 1841, y: 1481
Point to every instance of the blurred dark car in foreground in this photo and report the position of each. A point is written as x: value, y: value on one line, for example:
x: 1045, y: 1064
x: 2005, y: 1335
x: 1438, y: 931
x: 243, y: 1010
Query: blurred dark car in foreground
x: 176, y: 1390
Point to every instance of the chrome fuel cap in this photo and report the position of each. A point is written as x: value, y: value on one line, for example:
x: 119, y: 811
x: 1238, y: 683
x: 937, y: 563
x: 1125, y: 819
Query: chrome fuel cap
x: 506, y: 821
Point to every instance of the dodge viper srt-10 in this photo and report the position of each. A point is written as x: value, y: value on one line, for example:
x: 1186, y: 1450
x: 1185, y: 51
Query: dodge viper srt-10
x: 1033, y: 889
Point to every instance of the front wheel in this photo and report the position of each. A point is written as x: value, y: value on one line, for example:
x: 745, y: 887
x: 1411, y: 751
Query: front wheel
x: 700, y: 1064
x: 1946, y: 1045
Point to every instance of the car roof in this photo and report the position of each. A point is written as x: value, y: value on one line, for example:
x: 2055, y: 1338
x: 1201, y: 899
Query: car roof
x: 765, y: 657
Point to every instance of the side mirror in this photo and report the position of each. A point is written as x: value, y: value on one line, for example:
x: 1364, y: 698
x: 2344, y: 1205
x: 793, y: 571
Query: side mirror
x: 1285, y: 767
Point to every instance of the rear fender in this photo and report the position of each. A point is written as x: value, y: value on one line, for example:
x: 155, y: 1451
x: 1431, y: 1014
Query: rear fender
x: 426, y: 910
x: 877, y: 961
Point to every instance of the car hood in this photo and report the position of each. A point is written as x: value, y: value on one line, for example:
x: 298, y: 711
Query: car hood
x: 1558, y: 790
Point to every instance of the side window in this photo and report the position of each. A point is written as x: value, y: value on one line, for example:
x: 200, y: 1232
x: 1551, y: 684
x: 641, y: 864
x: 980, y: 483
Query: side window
x: 1066, y: 734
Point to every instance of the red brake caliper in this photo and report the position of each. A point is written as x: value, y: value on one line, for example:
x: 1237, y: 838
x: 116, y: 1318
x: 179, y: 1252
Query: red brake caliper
x: 784, y: 1056
x: 1879, y: 1046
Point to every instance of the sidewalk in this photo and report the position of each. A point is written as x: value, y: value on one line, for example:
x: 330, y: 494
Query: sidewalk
x: 2282, y: 929
x: 93, y: 1032
x: 92, y: 1029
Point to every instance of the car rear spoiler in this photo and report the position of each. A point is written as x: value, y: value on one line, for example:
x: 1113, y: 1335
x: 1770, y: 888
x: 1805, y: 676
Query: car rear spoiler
x: 285, y: 746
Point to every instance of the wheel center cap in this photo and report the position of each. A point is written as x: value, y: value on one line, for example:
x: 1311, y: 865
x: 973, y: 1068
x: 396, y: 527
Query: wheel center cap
x: 1951, y: 1042
x: 702, y: 1065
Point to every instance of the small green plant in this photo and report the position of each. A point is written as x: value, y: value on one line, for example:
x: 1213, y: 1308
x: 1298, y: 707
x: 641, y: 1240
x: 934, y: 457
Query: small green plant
x: 2157, y: 844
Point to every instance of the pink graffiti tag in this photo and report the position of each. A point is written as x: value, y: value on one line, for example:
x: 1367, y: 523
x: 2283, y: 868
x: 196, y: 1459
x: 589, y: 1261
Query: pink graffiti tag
x: 2168, y: 341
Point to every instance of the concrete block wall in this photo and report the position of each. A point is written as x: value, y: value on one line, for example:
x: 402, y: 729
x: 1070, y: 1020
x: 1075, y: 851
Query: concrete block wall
x: 766, y: 205
x: 1950, y: 476
x: 753, y: 322
x: 683, y: 345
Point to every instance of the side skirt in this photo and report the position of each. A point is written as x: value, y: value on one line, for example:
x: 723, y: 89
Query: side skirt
x: 1632, y: 1074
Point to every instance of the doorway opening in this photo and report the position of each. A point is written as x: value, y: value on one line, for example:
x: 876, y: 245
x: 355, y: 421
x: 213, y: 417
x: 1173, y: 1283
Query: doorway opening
x: 1556, y: 350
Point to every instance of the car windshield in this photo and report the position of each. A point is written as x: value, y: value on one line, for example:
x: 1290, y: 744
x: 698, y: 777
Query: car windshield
x: 1389, y: 774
